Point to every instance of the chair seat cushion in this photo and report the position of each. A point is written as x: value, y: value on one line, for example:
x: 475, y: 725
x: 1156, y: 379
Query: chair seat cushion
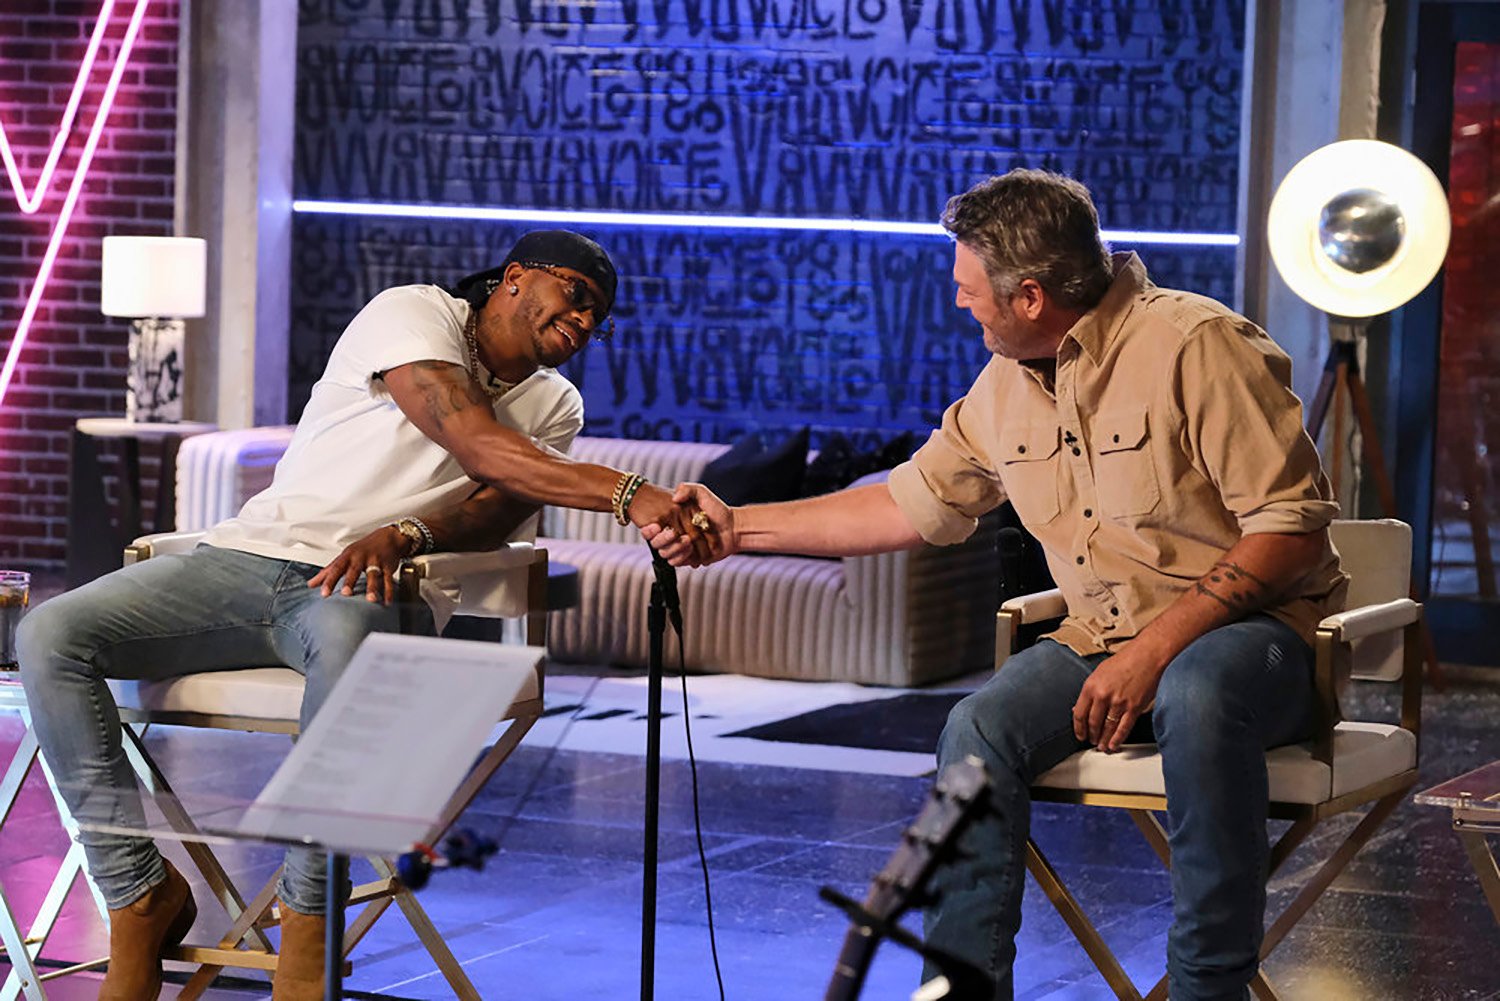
x: 268, y: 693
x: 1363, y: 753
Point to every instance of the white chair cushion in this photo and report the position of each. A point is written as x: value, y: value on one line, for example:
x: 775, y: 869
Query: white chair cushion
x: 1363, y: 753
x: 272, y: 693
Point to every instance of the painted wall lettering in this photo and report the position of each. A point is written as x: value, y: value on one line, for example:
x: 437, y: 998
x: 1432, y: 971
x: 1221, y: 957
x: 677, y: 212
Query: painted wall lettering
x: 877, y: 109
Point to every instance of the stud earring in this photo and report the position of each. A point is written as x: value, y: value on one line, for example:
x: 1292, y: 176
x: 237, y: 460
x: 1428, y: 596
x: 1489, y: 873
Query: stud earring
x: 515, y: 290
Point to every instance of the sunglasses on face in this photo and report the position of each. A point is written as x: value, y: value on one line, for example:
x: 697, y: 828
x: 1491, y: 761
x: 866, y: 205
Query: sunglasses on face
x: 579, y: 296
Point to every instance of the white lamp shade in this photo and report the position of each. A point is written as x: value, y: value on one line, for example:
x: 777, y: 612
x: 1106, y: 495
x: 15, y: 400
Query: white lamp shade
x: 1337, y: 169
x: 153, y: 276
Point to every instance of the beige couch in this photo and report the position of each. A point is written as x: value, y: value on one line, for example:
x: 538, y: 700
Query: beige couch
x: 904, y: 618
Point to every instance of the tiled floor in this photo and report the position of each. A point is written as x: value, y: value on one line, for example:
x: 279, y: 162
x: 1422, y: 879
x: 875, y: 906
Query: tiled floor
x: 556, y: 915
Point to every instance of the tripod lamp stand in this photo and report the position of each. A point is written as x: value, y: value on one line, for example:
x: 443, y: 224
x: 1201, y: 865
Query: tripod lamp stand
x: 1357, y: 229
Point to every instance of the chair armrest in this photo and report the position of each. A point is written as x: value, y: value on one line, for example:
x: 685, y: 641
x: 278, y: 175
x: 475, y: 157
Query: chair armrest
x: 501, y: 583
x: 161, y: 544
x: 1021, y: 611
x: 1037, y: 607
x: 1334, y: 646
x: 1370, y: 620
x: 462, y: 565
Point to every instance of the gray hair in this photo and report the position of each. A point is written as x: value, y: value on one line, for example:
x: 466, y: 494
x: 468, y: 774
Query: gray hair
x: 1034, y: 224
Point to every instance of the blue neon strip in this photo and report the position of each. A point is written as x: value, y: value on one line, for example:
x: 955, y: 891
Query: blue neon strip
x: 592, y: 218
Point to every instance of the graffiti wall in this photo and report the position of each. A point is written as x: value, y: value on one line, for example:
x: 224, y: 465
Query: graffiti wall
x: 823, y: 109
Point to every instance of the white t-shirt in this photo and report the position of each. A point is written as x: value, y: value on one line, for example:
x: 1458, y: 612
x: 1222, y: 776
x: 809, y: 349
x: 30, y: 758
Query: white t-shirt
x: 356, y: 463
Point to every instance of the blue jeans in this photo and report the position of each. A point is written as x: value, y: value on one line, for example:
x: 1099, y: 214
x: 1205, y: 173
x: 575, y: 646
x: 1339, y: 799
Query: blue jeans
x: 208, y: 610
x: 1231, y: 694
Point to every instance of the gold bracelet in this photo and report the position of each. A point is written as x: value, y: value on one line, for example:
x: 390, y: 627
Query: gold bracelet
x: 624, y: 493
x: 614, y: 498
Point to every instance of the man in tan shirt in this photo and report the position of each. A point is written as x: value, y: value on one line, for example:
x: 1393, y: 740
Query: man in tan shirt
x: 1151, y: 442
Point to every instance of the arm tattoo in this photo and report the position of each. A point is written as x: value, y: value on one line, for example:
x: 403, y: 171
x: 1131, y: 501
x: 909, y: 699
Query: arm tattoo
x: 483, y: 520
x: 1234, y: 587
x: 446, y: 389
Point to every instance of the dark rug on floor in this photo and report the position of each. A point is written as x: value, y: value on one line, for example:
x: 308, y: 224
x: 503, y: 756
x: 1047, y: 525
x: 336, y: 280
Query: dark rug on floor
x: 909, y: 722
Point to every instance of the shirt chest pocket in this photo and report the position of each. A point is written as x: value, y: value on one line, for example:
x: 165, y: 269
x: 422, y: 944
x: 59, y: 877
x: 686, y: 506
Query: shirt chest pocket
x: 1125, y: 476
x: 1028, y: 471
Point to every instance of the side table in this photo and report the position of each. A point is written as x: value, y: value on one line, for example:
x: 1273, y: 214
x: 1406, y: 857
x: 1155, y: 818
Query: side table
x: 96, y: 535
x: 1474, y: 798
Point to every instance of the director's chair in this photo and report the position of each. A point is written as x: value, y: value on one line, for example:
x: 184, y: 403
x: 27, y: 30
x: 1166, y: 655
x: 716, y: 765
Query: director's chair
x: 1345, y: 766
x: 510, y: 582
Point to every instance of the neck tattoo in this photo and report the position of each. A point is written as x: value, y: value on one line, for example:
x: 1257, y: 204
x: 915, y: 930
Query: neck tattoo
x: 493, y: 386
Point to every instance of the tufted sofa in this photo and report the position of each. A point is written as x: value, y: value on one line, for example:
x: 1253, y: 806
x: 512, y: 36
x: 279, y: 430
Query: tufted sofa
x: 905, y: 618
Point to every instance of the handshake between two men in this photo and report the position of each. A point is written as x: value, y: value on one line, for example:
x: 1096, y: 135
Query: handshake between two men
x: 853, y: 522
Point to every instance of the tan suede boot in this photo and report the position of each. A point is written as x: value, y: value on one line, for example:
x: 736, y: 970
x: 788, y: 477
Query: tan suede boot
x: 299, y: 969
x: 139, y: 931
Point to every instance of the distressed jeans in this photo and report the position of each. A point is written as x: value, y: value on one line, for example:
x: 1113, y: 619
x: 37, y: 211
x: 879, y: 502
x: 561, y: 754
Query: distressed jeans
x: 208, y: 610
x: 1231, y: 694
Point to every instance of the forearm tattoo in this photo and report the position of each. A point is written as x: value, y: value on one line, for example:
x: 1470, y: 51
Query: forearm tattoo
x: 482, y: 521
x: 446, y: 389
x: 1234, y: 587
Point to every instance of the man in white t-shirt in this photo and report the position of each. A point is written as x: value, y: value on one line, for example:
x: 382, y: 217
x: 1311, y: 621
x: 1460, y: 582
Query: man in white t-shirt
x: 438, y: 425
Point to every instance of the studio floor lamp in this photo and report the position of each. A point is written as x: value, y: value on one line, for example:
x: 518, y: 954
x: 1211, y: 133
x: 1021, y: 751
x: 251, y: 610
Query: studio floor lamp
x: 1357, y: 229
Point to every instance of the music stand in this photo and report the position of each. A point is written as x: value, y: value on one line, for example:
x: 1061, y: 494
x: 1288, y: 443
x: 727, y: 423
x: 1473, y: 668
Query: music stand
x: 1357, y: 229
x: 369, y: 776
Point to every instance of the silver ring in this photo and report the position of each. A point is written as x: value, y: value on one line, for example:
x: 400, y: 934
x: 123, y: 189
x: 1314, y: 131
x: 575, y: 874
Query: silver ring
x: 374, y: 568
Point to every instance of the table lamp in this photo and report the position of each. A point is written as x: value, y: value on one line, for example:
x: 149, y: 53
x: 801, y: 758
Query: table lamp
x: 155, y: 281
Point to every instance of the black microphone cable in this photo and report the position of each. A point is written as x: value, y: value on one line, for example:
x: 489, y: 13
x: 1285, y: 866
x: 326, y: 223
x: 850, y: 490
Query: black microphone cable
x: 666, y: 577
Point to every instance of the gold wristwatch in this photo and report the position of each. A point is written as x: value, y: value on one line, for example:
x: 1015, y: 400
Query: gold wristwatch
x: 409, y: 530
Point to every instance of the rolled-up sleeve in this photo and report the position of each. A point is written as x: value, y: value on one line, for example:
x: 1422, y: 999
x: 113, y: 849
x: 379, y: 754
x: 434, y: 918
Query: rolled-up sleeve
x: 944, y: 488
x: 1244, y: 428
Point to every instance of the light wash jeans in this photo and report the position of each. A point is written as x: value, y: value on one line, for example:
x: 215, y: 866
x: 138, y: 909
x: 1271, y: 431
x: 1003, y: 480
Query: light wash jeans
x: 1234, y: 692
x: 208, y: 610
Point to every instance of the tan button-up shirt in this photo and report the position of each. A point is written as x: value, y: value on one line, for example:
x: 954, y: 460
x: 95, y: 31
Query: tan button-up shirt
x: 1169, y: 431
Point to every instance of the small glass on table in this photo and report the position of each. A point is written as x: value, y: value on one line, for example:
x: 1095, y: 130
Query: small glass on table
x: 15, y: 595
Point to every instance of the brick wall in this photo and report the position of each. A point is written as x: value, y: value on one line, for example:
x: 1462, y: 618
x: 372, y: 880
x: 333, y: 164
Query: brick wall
x: 821, y: 108
x: 73, y: 361
x: 1467, y: 468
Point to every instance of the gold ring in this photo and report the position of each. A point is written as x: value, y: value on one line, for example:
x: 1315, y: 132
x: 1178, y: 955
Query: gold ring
x: 1111, y: 719
x: 699, y: 521
x: 374, y: 568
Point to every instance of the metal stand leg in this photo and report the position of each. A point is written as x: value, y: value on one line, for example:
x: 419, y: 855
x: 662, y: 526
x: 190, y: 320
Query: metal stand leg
x: 1340, y: 378
x: 333, y: 944
x: 656, y: 624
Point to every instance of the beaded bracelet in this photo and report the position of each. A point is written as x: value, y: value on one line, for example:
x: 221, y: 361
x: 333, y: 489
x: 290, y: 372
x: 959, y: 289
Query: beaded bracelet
x: 630, y: 493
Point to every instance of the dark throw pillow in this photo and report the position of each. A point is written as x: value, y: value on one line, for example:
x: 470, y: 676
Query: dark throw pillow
x: 838, y: 463
x: 753, y: 472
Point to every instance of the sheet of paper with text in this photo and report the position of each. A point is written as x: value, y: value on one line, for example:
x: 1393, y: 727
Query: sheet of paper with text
x: 391, y: 744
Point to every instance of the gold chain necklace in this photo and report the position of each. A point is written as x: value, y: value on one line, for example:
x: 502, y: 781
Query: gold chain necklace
x: 493, y: 387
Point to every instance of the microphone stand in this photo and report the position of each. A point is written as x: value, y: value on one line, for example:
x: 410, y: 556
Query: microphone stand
x: 656, y: 626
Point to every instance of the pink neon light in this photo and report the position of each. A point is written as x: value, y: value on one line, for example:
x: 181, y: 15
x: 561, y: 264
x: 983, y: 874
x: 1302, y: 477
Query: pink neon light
x: 65, y: 215
x: 30, y: 203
